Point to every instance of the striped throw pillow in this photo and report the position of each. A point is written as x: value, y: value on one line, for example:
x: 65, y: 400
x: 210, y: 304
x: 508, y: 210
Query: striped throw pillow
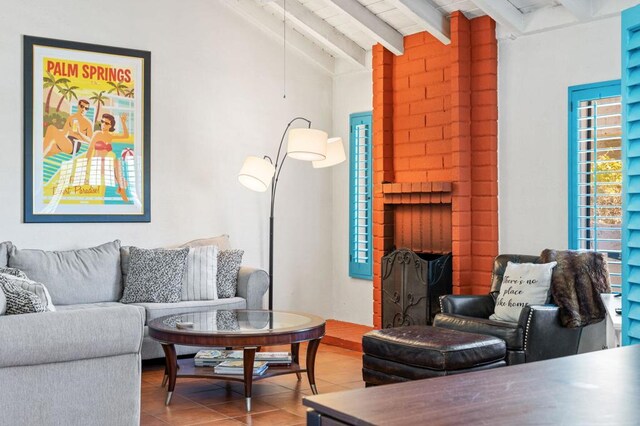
x: 199, y: 282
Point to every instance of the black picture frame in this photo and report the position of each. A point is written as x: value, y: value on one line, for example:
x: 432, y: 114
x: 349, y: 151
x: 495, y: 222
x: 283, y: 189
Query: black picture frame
x: 107, y: 131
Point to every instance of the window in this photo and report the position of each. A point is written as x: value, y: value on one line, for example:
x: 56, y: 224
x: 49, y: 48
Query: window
x: 595, y: 172
x: 360, y: 191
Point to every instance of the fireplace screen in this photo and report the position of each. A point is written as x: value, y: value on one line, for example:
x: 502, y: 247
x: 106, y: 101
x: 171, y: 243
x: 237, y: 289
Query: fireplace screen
x: 411, y: 286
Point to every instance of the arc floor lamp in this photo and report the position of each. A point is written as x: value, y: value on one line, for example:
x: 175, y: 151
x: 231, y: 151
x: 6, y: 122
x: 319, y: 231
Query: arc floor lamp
x: 305, y: 144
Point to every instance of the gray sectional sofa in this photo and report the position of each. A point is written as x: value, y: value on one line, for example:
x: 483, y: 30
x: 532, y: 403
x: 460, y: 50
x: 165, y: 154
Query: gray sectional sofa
x: 82, y: 362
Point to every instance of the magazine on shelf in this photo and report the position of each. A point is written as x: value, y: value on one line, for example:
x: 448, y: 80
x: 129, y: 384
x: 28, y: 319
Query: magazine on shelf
x: 237, y: 367
x: 213, y: 357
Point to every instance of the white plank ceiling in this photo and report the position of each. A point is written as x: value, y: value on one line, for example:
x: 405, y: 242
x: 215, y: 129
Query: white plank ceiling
x: 325, y: 30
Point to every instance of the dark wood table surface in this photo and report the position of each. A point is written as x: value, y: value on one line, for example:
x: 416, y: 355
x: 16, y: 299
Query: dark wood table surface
x: 597, y: 388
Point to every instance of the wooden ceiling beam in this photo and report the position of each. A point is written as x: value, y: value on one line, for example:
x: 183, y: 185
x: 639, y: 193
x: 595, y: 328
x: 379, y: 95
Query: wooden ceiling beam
x: 426, y: 16
x: 271, y: 25
x: 504, y: 13
x: 373, y: 26
x: 320, y: 30
x: 581, y: 9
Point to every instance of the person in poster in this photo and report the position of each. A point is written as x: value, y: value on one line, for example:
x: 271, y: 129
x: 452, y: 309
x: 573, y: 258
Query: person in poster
x: 77, y: 129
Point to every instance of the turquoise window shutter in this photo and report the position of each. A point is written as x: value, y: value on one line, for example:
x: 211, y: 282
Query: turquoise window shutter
x: 595, y: 178
x: 631, y: 173
x: 360, y: 196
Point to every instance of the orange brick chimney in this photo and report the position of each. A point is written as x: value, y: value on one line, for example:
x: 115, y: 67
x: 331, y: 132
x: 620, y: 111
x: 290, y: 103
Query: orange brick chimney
x: 435, y: 113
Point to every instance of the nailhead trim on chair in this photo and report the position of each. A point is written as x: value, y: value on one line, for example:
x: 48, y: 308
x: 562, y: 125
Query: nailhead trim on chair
x: 441, y: 306
x: 526, y: 333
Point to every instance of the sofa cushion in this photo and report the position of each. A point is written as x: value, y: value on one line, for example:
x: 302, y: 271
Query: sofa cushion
x: 74, y: 276
x: 155, y: 275
x: 157, y: 310
x: 229, y: 262
x: 510, y: 332
x: 19, y: 300
x: 34, y: 287
x: 5, y: 246
x: 83, y: 306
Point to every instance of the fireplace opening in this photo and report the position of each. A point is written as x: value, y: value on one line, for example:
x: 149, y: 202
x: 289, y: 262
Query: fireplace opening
x: 412, y: 284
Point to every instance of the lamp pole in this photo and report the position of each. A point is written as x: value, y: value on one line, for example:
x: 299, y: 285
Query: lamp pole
x: 274, y: 185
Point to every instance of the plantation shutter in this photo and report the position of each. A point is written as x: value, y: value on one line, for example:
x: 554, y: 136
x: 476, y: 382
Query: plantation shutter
x: 596, y: 172
x: 631, y: 188
x: 360, y: 192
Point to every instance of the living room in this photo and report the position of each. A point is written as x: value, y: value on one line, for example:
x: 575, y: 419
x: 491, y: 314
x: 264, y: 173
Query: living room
x: 227, y: 82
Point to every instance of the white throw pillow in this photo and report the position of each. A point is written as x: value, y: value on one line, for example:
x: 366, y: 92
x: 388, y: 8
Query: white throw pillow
x: 199, y: 281
x: 522, y: 284
x: 34, y: 287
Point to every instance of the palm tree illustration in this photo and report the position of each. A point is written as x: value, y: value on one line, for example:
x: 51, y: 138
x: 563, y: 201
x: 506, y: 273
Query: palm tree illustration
x: 116, y: 87
x: 67, y: 93
x: 129, y: 93
x: 50, y: 82
x: 98, y: 99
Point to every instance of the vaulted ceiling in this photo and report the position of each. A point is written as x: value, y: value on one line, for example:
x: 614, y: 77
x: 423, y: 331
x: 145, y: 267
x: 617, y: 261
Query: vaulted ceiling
x: 325, y: 31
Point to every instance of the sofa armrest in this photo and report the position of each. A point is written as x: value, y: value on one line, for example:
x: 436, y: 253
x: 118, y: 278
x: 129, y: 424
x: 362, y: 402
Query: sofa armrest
x: 61, y: 336
x: 544, y: 335
x: 467, y: 305
x: 253, y: 283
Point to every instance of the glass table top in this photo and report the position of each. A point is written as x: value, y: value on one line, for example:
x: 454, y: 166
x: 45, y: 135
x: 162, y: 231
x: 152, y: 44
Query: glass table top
x: 245, y: 322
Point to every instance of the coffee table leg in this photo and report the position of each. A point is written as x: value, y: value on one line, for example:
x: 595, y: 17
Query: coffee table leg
x: 312, y: 349
x: 248, y: 357
x: 171, y: 365
x: 295, y: 357
x: 166, y: 374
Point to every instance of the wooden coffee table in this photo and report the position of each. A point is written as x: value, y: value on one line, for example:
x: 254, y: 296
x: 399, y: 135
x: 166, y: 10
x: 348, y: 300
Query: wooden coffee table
x: 248, y: 330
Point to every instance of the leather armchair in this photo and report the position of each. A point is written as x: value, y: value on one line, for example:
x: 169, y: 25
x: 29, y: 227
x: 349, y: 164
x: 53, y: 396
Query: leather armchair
x: 537, y: 335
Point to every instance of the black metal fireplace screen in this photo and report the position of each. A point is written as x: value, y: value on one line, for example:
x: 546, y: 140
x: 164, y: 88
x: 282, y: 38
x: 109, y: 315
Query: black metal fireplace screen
x: 411, y: 286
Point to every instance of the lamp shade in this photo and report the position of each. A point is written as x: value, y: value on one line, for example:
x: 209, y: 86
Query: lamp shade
x: 256, y: 173
x: 307, y: 144
x: 335, y: 154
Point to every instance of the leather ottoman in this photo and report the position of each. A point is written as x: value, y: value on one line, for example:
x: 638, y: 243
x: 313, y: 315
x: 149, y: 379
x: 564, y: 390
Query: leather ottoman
x: 401, y: 354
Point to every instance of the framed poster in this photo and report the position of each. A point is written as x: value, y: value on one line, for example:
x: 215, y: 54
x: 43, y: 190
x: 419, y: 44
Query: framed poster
x: 86, y: 132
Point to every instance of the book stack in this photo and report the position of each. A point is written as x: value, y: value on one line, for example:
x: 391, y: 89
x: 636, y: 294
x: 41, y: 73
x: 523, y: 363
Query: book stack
x: 213, y: 357
x: 237, y: 367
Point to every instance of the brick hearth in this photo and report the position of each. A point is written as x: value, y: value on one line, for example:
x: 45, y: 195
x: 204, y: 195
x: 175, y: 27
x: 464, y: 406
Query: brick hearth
x: 435, y: 151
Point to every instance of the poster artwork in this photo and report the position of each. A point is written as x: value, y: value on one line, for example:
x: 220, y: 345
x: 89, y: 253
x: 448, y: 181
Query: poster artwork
x: 88, y: 135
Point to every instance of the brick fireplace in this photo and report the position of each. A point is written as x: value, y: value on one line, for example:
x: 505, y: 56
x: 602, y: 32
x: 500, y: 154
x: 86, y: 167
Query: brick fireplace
x: 435, y: 152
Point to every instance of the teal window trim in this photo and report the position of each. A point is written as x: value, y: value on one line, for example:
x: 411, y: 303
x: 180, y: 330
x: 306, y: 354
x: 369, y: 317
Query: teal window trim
x: 576, y: 95
x: 360, y: 196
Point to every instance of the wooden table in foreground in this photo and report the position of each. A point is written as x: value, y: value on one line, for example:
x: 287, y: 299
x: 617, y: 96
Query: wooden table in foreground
x: 248, y: 330
x: 597, y: 388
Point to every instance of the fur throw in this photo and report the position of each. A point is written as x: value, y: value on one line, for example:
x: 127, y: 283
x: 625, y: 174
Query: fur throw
x: 576, y: 284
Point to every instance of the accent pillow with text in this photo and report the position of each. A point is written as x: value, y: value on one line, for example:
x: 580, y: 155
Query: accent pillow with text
x: 522, y: 284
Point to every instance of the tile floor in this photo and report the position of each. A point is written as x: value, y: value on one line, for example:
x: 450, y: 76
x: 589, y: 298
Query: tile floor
x: 275, y: 401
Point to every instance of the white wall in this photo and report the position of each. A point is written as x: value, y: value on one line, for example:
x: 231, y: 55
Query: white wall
x: 534, y: 73
x: 216, y: 87
x: 352, y: 298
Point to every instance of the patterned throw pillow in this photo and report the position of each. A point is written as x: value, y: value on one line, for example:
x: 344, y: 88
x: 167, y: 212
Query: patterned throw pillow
x: 13, y: 271
x: 229, y: 262
x: 199, y: 281
x: 20, y: 301
x: 3, y: 302
x: 155, y: 275
x: 36, y: 288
